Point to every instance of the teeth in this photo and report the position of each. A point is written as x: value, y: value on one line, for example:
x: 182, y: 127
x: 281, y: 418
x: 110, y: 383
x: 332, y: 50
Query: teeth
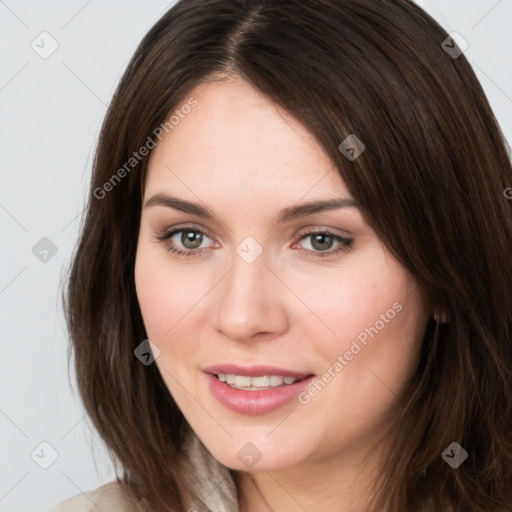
x: 255, y: 383
x: 275, y: 380
x: 261, y: 382
x: 242, y: 381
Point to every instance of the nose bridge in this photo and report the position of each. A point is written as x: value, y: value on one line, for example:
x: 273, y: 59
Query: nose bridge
x: 246, y: 301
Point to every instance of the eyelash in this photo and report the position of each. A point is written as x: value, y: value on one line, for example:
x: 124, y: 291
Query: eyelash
x: 345, y: 243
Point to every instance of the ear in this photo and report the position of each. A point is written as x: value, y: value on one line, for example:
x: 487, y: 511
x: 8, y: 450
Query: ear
x: 440, y: 315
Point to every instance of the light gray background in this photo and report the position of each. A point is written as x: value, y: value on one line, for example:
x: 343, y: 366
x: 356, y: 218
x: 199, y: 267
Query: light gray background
x: 50, y: 111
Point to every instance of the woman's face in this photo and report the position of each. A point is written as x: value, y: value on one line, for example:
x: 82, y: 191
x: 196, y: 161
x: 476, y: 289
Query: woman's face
x: 258, y: 295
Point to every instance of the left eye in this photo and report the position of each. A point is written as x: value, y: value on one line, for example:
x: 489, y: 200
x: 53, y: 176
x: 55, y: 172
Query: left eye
x: 191, y: 240
x: 322, y: 241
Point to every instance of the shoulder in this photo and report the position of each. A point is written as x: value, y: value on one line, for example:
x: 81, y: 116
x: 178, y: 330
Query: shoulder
x: 109, y: 497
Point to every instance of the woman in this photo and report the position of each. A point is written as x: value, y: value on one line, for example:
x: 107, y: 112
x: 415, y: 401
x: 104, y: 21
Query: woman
x: 291, y: 290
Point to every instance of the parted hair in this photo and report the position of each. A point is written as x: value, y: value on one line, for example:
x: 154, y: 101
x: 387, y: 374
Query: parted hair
x: 430, y: 182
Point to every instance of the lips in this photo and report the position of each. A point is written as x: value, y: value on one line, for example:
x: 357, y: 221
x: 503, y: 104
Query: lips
x: 255, y: 401
x: 254, y: 371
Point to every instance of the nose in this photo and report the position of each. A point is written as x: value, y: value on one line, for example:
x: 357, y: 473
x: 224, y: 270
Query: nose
x: 250, y: 301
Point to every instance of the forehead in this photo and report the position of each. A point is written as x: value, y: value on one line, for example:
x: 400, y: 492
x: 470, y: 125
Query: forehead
x: 235, y: 139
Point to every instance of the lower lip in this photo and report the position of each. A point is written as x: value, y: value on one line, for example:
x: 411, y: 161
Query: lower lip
x: 255, y: 402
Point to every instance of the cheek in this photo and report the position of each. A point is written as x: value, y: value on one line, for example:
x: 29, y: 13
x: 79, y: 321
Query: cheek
x: 371, y: 316
x: 380, y: 343
x: 150, y: 287
x: 171, y: 299
x: 344, y: 301
x: 162, y: 295
x: 372, y: 357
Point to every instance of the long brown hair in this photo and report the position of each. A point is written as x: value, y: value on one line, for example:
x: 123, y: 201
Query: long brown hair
x: 430, y: 182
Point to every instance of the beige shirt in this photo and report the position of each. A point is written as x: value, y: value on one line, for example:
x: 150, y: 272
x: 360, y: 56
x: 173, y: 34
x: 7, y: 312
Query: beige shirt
x: 213, y: 485
x: 108, y: 498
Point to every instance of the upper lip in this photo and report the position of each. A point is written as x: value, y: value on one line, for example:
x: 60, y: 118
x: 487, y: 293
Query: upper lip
x: 253, y: 371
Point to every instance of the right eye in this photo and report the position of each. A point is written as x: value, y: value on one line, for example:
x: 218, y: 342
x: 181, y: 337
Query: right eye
x: 190, y: 240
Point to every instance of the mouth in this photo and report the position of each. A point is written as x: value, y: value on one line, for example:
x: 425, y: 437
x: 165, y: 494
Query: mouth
x: 259, y: 377
x: 256, y: 389
x: 261, y: 383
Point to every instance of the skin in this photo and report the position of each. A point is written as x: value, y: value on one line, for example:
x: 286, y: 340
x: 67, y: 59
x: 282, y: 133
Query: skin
x: 245, y: 159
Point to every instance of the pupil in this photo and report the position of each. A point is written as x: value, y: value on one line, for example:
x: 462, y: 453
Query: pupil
x: 318, y: 244
x: 191, y: 239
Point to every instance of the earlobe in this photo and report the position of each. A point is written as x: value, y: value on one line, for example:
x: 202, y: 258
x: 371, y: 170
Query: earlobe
x: 440, y: 316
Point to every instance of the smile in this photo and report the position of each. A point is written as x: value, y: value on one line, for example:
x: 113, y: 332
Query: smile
x: 255, y: 390
x: 255, y: 383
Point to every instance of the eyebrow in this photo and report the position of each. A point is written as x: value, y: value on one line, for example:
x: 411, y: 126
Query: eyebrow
x: 285, y: 215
